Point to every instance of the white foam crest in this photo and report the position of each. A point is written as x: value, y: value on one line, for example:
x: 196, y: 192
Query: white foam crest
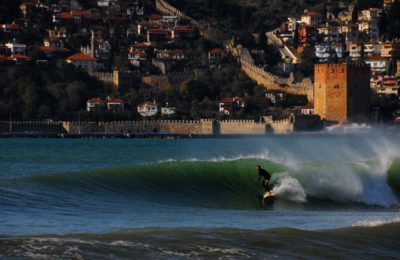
x: 259, y: 156
x: 376, y: 223
x: 289, y: 188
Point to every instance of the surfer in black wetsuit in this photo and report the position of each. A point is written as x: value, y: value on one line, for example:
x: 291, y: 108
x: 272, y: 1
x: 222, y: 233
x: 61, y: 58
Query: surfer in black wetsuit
x: 263, y: 174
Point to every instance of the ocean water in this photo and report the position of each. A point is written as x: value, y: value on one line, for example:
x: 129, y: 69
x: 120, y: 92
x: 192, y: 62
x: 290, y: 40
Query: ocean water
x: 336, y: 197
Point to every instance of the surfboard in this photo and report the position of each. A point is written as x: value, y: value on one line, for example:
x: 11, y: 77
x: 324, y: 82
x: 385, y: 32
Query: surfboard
x: 268, y: 194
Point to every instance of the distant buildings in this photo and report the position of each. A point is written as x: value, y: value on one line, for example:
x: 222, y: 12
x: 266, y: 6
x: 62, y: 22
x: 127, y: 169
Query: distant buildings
x: 82, y: 60
x: 229, y: 105
x: 111, y: 104
x: 342, y: 91
x: 150, y: 109
x: 147, y: 109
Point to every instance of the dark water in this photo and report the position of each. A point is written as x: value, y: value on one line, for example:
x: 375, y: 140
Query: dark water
x: 336, y: 197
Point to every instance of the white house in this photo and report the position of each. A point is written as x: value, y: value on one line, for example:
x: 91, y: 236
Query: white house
x: 168, y: 111
x: 308, y: 109
x: 372, y: 14
x: 95, y: 104
x: 370, y: 28
x: 148, y: 109
x: 16, y: 48
x: 378, y: 64
x: 325, y: 51
x: 82, y: 60
x: 311, y: 18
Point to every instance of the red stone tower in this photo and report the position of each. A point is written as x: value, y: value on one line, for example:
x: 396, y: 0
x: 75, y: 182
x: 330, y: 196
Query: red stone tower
x: 342, y: 91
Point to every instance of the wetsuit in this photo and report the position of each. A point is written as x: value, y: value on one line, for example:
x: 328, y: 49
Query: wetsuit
x: 263, y: 173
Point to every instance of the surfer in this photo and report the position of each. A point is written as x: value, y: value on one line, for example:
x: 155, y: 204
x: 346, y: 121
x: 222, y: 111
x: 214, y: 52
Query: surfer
x: 263, y: 174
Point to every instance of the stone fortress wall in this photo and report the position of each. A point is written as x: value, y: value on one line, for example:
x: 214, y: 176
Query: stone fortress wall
x: 262, y: 77
x: 189, y: 127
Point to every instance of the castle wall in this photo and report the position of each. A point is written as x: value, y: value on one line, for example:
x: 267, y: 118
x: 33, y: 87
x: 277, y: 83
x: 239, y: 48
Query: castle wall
x: 30, y: 126
x: 189, y: 127
x: 284, y: 126
x: 269, y: 80
x: 238, y: 127
x: 197, y: 127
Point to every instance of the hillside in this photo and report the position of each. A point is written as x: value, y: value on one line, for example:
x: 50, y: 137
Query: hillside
x: 246, y: 15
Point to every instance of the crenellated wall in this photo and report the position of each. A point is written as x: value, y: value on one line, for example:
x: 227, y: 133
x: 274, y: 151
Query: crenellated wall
x: 284, y: 126
x: 269, y: 80
x: 189, y: 127
x: 241, y: 127
x: 30, y: 126
x: 197, y: 127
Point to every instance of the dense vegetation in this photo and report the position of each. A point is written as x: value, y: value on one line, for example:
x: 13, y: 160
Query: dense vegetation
x: 46, y: 92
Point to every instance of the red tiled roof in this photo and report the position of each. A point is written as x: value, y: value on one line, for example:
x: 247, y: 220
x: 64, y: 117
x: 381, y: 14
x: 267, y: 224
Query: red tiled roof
x: 115, y: 100
x: 64, y: 15
x: 141, y: 45
x: 80, y: 56
x: 15, y: 26
x: 231, y: 100
x: 82, y: 13
x: 157, y: 31
x: 147, y: 103
x: 3, y: 58
x: 96, y: 101
x: 312, y: 14
x: 217, y: 50
x: 183, y: 29
x: 20, y: 57
x: 155, y: 17
x: 138, y: 52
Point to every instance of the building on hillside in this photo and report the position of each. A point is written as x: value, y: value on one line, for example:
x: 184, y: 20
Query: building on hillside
x: 168, y: 110
x: 342, y: 91
x: 390, y: 49
x: 16, y: 48
x: 158, y: 35
x: 371, y: 28
x: 308, y: 109
x: 328, y: 51
x: 95, y: 104
x: 182, y: 32
x: 230, y: 105
x: 329, y: 33
x: 111, y: 104
x: 349, y: 32
x: 307, y: 36
x: 216, y: 55
x: 372, y: 14
x: 378, y: 64
x: 275, y: 97
x: 115, y: 104
x: 311, y: 18
x: 175, y: 54
x: 148, y: 109
x: 389, y: 87
x: 292, y: 24
x: 84, y: 61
